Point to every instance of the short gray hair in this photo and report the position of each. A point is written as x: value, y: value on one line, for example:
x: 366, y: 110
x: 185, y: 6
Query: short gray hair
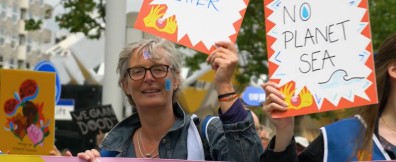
x: 171, y: 55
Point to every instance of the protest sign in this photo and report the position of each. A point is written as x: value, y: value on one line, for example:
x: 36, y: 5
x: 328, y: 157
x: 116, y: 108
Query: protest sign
x: 27, y: 115
x: 197, y: 24
x: 253, y: 96
x: 92, y: 120
x: 320, y: 53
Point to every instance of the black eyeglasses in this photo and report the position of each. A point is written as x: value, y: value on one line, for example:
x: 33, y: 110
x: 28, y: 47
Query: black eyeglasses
x: 157, y: 71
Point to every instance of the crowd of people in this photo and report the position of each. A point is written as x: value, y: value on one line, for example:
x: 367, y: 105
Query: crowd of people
x: 238, y: 135
x: 150, y: 76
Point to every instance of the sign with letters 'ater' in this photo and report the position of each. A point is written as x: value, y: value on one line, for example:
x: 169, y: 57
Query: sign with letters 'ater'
x: 92, y: 120
x: 320, y: 53
x: 197, y: 24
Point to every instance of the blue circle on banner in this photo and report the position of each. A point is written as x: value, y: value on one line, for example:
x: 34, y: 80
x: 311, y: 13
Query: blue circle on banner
x: 253, y: 96
x: 47, y: 66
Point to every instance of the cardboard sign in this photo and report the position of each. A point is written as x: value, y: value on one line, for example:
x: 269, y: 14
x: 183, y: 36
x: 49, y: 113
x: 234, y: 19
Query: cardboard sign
x: 320, y: 52
x: 197, y: 24
x: 95, y: 119
x: 27, y: 114
x: 30, y: 158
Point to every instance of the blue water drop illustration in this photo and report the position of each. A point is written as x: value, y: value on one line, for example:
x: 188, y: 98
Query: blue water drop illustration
x: 305, y: 11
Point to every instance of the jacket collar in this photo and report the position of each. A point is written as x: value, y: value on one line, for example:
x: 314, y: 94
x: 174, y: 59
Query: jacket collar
x: 120, y: 136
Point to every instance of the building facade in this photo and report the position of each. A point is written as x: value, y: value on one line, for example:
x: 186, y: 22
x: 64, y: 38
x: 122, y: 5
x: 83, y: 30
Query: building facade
x: 19, y: 48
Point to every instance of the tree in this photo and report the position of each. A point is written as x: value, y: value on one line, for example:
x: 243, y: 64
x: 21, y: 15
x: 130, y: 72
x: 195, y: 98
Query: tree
x: 86, y: 16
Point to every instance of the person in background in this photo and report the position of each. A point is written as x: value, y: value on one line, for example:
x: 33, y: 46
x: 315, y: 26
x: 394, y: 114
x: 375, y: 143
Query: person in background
x: 369, y: 135
x: 263, y: 132
x: 150, y: 76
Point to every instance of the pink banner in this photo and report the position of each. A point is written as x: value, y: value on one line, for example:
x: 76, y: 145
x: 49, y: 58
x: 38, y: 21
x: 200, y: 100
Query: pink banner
x: 35, y: 158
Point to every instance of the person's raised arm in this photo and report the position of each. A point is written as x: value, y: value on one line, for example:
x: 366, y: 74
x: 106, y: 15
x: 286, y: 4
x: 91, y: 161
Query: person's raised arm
x: 224, y: 61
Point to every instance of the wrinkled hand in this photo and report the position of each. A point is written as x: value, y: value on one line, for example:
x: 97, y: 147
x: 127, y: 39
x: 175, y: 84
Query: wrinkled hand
x: 90, y: 155
x: 224, y: 61
x: 284, y: 126
x: 275, y: 102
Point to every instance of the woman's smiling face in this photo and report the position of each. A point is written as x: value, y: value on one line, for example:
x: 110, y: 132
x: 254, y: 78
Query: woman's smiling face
x: 150, y: 91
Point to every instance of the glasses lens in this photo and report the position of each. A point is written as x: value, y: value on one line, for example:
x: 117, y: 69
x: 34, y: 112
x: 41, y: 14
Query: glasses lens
x: 137, y: 73
x: 159, y: 71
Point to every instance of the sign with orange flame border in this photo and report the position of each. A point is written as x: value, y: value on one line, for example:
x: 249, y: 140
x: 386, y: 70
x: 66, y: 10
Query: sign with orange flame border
x: 27, y: 114
x: 320, y: 53
x: 196, y: 24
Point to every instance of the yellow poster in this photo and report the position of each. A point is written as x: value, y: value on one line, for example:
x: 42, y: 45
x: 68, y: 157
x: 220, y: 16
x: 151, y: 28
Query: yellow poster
x: 27, y: 99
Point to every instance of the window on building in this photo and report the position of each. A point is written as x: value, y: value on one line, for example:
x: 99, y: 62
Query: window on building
x: 30, y: 15
x: 28, y: 45
x: 11, y: 62
x: 22, y: 39
x: 1, y: 62
x: 23, y: 14
x: 3, y: 14
x: 2, y: 36
x: 20, y: 64
x: 28, y: 48
x: 14, y: 41
x: 15, y: 13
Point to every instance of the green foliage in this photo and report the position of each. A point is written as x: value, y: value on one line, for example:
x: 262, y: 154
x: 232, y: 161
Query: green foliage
x: 383, y: 20
x: 32, y: 24
x: 251, y: 38
x: 80, y: 19
x: 194, y: 61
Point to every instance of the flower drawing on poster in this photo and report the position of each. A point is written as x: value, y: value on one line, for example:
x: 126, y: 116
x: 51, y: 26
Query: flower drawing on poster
x: 30, y: 119
x: 319, y: 50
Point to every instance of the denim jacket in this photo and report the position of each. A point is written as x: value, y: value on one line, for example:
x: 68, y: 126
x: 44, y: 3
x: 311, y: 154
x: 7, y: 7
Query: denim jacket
x: 227, y: 142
